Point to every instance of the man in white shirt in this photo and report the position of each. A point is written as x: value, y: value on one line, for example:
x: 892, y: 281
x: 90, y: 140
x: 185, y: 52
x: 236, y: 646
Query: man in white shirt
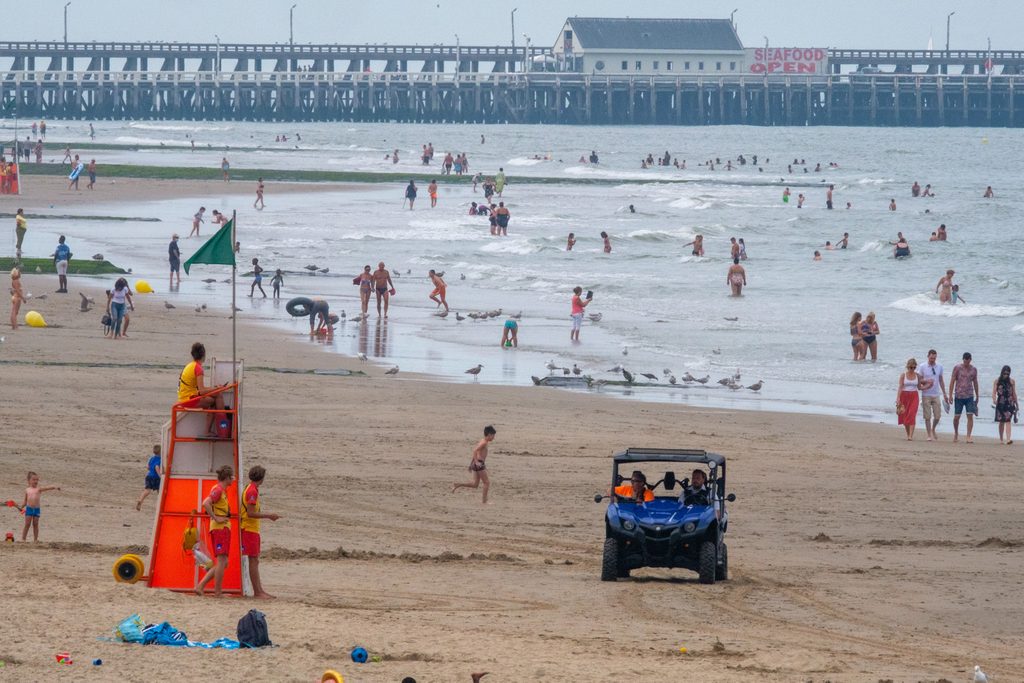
x: 931, y: 398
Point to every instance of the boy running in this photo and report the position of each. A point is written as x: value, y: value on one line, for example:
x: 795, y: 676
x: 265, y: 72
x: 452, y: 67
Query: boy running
x: 32, y: 504
x: 216, y: 506
x: 152, y: 476
x: 440, y: 287
x: 250, y: 522
x: 478, y: 465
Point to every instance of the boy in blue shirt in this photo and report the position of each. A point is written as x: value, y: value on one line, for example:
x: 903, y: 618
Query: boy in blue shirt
x: 61, y: 259
x: 152, y: 476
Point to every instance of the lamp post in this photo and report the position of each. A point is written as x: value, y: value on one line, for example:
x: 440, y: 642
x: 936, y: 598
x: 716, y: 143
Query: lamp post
x: 527, y: 64
x: 291, y: 24
x: 458, y: 54
x: 766, y: 57
x: 217, y: 63
x: 732, y: 16
x: 66, y: 23
x: 948, y: 17
x: 516, y: 9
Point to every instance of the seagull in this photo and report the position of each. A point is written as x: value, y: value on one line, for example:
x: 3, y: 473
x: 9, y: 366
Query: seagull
x: 41, y: 297
x: 725, y: 381
x: 979, y: 675
x: 735, y: 387
x: 210, y: 280
x: 97, y: 257
x: 551, y: 366
x: 517, y: 316
x: 704, y: 379
x: 628, y: 375
x: 576, y: 369
x: 617, y: 368
x: 666, y: 372
x: 312, y: 268
x: 596, y: 317
x: 474, y: 315
x: 689, y: 378
x: 85, y: 303
x: 732, y: 320
x: 475, y: 371
x: 203, y: 307
x: 342, y: 316
x: 408, y: 271
x: 198, y: 310
x: 736, y: 377
x: 671, y: 379
x: 459, y: 316
x: 359, y: 318
x: 756, y: 386
x: 324, y: 270
x: 226, y: 281
x: 396, y: 274
x: 650, y: 376
x: 168, y: 305
x: 361, y: 356
x: 717, y: 352
x: 391, y: 371
x: 462, y: 276
x: 625, y: 351
x: 87, y: 298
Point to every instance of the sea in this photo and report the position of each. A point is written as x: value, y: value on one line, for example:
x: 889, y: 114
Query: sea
x: 662, y: 309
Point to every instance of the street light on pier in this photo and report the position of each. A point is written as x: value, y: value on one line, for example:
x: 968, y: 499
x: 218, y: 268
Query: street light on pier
x: 217, y: 63
x: 66, y: 23
x: 291, y: 24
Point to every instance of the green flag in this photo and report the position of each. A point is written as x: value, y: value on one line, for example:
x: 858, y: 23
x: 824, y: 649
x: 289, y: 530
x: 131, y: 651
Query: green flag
x: 218, y: 249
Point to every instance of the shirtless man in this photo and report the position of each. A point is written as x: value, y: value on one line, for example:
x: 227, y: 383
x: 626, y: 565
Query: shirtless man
x: 945, y: 287
x: 698, y: 245
x: 440, y: 287
x: 734, y: 249
x: 384, y: 287
x: 828, y: 197
x: 989, y: 194
x: 736, y: 278
x: 940, y: 234
x: 478, y: 465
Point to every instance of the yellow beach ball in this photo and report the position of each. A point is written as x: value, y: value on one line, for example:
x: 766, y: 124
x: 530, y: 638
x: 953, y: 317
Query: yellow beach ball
x: 143, y: 287
x: 34, y: 319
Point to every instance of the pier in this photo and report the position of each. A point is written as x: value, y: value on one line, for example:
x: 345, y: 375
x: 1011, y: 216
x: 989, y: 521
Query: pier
x: 469, y: 84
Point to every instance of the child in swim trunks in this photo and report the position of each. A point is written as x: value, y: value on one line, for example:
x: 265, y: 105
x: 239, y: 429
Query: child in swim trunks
x: 277, y: 281
x: 152, y: 476
x: 478, y: 464
x: 31, y: 505
x: 510, y: 333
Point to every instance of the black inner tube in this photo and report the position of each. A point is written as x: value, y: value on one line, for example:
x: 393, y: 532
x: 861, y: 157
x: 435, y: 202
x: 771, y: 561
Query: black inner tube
x: 299, y: 307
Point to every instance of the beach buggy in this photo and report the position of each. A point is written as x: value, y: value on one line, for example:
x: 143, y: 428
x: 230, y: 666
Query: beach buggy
x: 660, y: 517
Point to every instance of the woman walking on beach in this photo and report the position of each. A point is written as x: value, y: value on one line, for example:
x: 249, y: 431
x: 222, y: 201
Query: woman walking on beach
x: 365, y: 282
x: 17, y: 296
x: 1004, y: 396
x: 907, y: 398
x: 120, y: 297
x: 859, y: 349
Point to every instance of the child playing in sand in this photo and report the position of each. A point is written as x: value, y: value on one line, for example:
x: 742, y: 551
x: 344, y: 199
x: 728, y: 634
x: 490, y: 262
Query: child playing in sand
x: 217, y: 507
x: 31, y: 506
x: 478, y: 464
x: 152, y: 476
x: 277, y: 281
x: 250, y: 517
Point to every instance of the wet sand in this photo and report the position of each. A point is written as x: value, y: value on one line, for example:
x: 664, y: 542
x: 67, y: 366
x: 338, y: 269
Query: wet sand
x: 854, y: 554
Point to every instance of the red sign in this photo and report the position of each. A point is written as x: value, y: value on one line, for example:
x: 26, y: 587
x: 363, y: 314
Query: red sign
x: 787, y: 60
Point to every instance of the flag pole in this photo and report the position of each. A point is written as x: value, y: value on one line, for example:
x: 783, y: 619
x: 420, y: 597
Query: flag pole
x: 234, y: 311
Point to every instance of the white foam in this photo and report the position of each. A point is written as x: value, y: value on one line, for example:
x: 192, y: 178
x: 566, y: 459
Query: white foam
x: 872, y: 246
x: 928, y: 304
x: 507, y: 246
x: 523, y: 161
x: 164, y: 126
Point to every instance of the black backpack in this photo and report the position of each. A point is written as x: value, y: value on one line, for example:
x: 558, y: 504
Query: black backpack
x: 252, y: 630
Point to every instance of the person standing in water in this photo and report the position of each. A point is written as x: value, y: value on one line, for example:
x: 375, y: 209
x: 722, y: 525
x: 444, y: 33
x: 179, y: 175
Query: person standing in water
x: 410, y: 193
x: 257, y: 281
x: 432, y: 191
x: 438, y: 295
x: 578, y: 304
x: 607, y: 242
x: 571, y: 242
x: 499, y: 181
x: 736, y: 277
x: 258, y: 204
x: 944, y: 288
x: 697, y: 244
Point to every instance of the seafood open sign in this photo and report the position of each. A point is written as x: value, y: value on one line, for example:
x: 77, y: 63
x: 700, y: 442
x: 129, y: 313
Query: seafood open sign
x: 787, y: 60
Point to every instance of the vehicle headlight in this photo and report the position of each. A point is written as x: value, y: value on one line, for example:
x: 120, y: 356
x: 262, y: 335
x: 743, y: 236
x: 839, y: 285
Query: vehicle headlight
x: 628, y: 524
x: 690, y: 527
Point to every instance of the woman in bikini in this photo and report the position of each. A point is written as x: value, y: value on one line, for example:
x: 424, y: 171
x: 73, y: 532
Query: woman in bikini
x: 736, y: 277
x: 945, y: 287
x: 17, y: 296
x: 869, y: 335
x: 365, y: 282
x: 859, y: 348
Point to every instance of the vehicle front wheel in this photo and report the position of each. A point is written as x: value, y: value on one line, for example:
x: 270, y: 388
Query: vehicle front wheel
x: 707, y: 562
x: 610, y: 560
x: 722, y: 570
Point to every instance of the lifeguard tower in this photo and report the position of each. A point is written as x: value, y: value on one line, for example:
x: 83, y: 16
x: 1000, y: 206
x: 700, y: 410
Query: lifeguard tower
x: 191, y: 458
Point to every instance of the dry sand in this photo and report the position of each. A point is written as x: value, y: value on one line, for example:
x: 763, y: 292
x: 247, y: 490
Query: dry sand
x: 855, y: 555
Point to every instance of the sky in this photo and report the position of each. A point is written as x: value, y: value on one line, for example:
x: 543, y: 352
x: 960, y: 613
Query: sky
x: 896, y: 24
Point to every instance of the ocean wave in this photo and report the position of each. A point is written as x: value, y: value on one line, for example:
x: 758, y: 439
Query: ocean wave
x: 163, y: 126
x: 928, y: 304
x: 1019, y: 328
x: 524, y: 161
x: 651, y: 235
x: 506, y: 246
x: 875, y: 181
x: 131, y: 140
x: 872, y: 246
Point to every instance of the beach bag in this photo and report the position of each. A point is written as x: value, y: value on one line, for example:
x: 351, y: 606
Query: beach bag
x: 252, y: 629
x: 105, y: 320
x: 130, y: 630
x: 223, y: 426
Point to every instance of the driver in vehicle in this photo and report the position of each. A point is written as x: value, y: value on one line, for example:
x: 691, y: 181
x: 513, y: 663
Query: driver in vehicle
x: 636, y: 490
x: 698, y: 492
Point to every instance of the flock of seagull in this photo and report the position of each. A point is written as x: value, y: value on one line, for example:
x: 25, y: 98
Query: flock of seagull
x: 732, y: 382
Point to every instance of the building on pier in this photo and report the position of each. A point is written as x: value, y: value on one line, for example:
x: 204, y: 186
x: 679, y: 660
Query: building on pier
x: 600, y: 46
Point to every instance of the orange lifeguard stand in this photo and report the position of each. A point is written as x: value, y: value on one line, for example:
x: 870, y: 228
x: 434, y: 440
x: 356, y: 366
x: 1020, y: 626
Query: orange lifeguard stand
x: 190, y: 462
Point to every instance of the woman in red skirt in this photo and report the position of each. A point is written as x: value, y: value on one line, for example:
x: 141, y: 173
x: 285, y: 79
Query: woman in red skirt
x: 907, y: 398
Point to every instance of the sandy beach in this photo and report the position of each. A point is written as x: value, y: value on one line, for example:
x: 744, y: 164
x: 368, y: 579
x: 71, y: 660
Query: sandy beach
x: 855, y: 555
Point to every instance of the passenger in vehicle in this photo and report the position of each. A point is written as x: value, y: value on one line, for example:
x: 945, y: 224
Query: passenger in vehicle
x: 636, y: 490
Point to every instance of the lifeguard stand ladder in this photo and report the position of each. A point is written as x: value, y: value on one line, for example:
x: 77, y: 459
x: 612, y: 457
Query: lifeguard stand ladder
x: 190, y: 460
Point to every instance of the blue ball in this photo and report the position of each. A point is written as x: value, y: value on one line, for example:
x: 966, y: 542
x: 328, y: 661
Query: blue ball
x: 359, y: 655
